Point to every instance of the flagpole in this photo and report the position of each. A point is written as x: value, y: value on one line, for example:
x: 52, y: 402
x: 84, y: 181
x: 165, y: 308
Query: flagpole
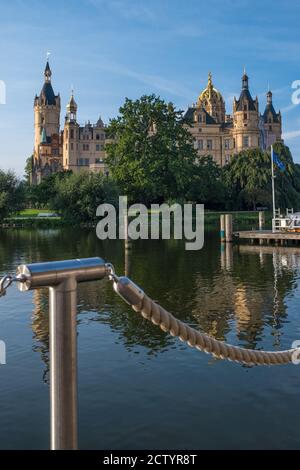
x: 273, y: 183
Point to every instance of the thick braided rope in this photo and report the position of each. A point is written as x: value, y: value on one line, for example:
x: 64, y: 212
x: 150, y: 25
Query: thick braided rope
x: 167, y: 322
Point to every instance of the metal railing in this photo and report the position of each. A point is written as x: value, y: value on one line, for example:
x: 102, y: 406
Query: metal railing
x: 61, y: 277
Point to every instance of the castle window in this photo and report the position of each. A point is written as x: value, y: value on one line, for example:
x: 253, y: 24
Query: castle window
x: 227, y: 144
x: 245, y: 116
x: 97, y: 137
x: 200, y: 144
x: 97, y: 147
x: 72, y: 146
x: 86, y: 161
x: 102, y: 136
x: 85, y: 147
x: 234, y: 143
x: 209, y: 144
x: 200, y: 118
x: 246, y: 141
x: 72, y: 133
x: 270, y: 120
x: 67, y: 133
x: 270, y: 128
x: 245, y: 107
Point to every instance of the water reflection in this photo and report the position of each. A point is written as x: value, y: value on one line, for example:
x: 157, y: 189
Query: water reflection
x: 233, y: 293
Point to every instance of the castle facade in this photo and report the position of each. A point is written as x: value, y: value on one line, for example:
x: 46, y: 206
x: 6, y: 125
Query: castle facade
x: 215, y: 133
x: 74, y: 147
x: 221, y: 135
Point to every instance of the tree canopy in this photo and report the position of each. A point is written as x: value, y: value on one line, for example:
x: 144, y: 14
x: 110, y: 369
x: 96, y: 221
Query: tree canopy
x: 248, y: 181
x: 151, y: 155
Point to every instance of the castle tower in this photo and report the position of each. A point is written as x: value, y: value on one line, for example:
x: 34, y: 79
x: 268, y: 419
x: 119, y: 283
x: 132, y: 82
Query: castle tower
x: 47, y: 145
x: 271, y: 122
x: 46, y: 112
x: 71, y: 136
x: 245, y: 119
x: 212, y: 101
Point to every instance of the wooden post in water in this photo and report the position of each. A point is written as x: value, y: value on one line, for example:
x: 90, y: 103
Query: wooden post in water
x: 261, y: 224
x: 228, y: 228
x: 222, y: 228
x: 261, y: 220
x: 127, y: 246
x: 126, y: 234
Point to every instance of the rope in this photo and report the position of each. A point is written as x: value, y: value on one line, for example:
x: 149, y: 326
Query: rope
x: 150, y: 310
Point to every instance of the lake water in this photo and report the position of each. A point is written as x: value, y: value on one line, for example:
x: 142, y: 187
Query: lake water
x: 139, y: 387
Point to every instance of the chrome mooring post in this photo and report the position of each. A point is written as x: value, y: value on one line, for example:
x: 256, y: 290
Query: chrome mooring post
x: 62, y: 277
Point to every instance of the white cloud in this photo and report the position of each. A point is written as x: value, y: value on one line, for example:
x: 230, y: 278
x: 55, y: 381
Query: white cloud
x: 290, y: 135
x: 153, y: 80
x: 288, y: 108
x: 126, y: 10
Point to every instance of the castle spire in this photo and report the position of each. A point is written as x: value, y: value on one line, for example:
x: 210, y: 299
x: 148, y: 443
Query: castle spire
x: 269, y: 97
x: 47, y: 72
x: 71, y: 108
x: 245, y: 84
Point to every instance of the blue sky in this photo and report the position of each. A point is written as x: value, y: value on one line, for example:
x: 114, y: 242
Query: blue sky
x: 110, y: 49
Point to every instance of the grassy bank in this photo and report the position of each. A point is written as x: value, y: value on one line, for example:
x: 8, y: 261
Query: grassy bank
x: 29, y: 219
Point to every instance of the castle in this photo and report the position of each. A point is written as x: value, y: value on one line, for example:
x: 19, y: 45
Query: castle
x: 73, y: 148
x: 215, y: 133
x: 220, y: 135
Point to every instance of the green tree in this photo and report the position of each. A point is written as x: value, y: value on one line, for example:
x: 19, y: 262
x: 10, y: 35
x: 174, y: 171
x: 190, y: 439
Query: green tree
x: 287, y: 182
x: 11, y: 194
x: 78, y: 195
x: 248, y: 179
x: 28, y: 169
x: 42, y: 195
x: 151, y: 154
x: 206, y: 184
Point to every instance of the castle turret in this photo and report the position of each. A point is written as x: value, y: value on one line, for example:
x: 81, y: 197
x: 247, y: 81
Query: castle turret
x: 245, y: 119
x: 71, y: 109
x: 46, y: 126
x: 272, y: 122
x: 71, y: 136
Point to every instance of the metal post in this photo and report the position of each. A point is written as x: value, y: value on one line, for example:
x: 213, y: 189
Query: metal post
x: 62, y: 277
x: 63, y: 364
x: 228, y: 227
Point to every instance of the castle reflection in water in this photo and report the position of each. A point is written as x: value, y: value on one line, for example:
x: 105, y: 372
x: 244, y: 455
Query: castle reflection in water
x: 234, y: 293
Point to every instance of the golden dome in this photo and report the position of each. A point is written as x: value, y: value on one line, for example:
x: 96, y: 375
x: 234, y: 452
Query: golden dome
x: 210, y: 92
x: 72, y: 105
